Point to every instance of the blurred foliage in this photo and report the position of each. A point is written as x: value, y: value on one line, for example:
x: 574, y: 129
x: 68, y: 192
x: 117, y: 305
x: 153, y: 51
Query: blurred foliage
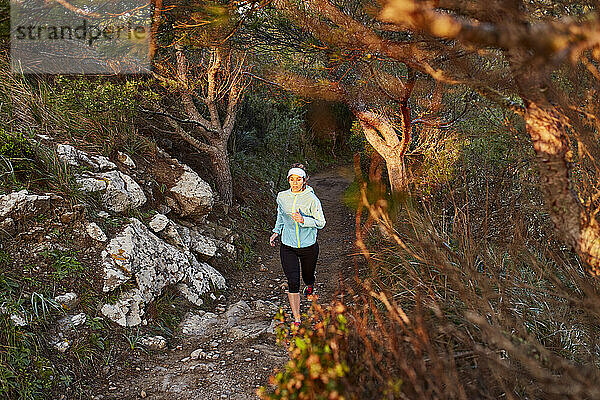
x: 318, y: 351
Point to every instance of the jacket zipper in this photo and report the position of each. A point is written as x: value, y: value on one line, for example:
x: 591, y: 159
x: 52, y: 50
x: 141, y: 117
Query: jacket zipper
x: 294, y: 210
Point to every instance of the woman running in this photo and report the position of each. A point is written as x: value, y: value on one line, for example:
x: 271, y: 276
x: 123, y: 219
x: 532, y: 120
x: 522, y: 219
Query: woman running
x: 299, y: 215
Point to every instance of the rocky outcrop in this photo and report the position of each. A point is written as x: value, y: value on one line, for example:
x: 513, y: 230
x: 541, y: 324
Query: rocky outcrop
x: 119, y: 191
x: 74, y: 157
x: 183, y: 237
x: 136, y: 253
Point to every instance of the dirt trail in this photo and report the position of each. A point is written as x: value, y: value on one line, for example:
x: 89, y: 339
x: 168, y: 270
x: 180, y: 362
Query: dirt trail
x: 235, y: 367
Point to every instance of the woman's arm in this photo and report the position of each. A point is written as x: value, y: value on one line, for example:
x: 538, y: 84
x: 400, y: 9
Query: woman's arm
x: 317, y: 219
x: 279, y: 223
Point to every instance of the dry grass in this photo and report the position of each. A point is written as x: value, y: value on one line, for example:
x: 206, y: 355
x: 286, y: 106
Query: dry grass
x: 450, y: 313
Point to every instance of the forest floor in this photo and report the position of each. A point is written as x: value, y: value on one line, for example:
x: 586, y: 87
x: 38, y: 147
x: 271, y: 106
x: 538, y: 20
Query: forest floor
x: 230, y: 367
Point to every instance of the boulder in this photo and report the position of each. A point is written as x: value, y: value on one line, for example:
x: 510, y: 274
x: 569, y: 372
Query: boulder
x: 199, y: 280
x: 139, y: 254
x: 192, y: 195
x: 119, y: 191
x: 187, y: 194
x: 195, y: 241
x: 21, y: 205
x: 183, y: 237
x: 159, y: 222
x: 74, y: 157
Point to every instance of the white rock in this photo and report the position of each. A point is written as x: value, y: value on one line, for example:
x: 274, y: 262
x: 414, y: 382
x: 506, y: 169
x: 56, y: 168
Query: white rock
x: 74, y: 157
x: 18, y: 205
x: 125, y: 159
x: 196, y: 354
x: 95, y: 232
x: 193, y: 196
x: 91, y: 183
x: 61, y: 345
x: 203, y: 245
x: 200, y: 278
x: 67, y: 300
x: 154, y: 342
x: 159, y: 222
x: 103, y: 214
x: 137, y: 253
x: 70, y: 155
x: 119, y: 191
x: 103, y: 163
x: 199, y: 324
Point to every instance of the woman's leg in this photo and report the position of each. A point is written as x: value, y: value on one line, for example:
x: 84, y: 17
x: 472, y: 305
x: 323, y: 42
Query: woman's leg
x: 291, y: 268
x: 308, y: 260
x: 295, y: 304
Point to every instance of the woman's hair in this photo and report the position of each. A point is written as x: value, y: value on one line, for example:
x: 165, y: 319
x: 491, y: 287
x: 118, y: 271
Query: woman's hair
x: 303, y: 168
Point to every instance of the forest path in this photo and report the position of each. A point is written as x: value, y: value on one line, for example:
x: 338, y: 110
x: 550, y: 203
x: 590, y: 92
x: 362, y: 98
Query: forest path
x: 234, y: 367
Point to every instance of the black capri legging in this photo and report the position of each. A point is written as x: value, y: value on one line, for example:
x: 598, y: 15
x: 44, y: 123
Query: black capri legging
x: 308, y: 260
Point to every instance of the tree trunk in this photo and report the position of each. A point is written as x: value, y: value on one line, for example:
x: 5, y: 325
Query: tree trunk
x: 376, y: 167
x: 222, y: 172
x: 397, y: 174
x: 546, y: 127
x: 579, y: 229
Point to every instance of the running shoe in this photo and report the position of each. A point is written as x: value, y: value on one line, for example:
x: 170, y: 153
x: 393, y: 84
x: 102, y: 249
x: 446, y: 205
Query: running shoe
x: 308, y: 291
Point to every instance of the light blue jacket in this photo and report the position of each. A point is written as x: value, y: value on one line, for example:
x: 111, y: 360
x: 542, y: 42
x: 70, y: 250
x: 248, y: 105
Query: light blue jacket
x: 292, y: 233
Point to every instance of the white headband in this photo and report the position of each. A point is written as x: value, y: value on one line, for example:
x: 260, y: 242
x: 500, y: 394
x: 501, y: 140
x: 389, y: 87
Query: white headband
x: 297, y: 171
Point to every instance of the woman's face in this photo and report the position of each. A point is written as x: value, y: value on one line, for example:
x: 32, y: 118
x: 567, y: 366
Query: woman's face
x: 296, y: 183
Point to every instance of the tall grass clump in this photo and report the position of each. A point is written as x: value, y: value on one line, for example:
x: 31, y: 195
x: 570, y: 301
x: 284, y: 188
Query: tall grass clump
x: 91, y: 113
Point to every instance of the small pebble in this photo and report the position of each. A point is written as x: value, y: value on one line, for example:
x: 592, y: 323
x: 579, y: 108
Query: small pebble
x: 248, y: 359
x: 143, y: 394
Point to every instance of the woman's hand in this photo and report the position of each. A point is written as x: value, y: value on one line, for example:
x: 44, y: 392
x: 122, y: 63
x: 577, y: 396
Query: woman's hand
x: 298, y: 217
x: 272, y: 239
